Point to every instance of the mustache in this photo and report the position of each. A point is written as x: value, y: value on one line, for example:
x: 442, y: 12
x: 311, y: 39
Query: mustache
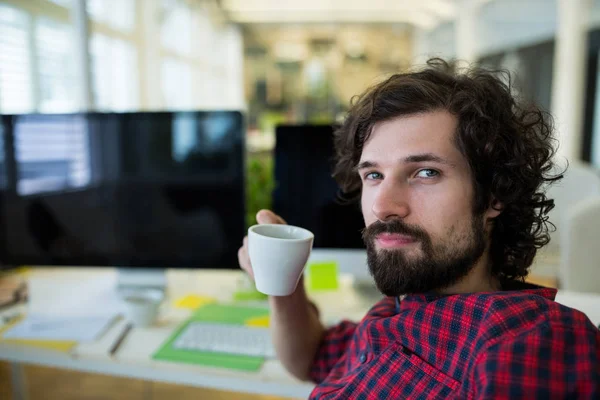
x: 396, y: 226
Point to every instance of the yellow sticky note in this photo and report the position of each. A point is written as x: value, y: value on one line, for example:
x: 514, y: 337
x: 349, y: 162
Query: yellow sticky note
x: 258, y: 322
x: 323, y: 276
x: 193, y: 301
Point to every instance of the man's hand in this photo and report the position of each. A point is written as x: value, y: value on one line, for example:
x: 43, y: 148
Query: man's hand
x: 295, y: 324
x: 262, y: 217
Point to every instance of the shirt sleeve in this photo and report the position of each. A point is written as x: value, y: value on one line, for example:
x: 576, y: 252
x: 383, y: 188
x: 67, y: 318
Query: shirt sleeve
x: 557, y: 362
x: 332, y: 348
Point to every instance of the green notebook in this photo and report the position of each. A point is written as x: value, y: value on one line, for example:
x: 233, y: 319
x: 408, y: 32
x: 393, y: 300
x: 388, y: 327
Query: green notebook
x: 222, y: 313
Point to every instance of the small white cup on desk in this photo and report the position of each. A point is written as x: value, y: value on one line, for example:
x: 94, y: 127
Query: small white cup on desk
x: 278, y: 254
x: 141, y: 306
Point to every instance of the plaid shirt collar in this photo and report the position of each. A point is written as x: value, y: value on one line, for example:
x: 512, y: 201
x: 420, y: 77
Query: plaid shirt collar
x: 413, y: 301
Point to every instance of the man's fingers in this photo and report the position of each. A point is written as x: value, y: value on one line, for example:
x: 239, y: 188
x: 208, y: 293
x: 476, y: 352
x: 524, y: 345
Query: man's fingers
x: 268, y: 217
x: 244, y: 261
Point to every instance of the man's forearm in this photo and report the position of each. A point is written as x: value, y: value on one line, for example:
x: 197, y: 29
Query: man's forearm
x: 297, y: 331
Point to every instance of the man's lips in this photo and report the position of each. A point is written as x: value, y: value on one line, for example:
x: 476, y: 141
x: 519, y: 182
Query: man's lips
x: 390, y: 240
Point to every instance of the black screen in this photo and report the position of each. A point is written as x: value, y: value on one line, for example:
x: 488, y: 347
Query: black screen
x: 4, y: 131
x: 159, y: 189
x: 305, y: 193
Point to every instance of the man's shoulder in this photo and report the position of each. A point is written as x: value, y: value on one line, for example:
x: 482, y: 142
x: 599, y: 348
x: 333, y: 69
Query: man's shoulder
x: 558, y: 348
x: 517, y: 313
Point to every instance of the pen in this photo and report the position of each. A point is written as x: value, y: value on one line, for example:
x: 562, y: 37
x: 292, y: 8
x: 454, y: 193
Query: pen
x: 120, y: 339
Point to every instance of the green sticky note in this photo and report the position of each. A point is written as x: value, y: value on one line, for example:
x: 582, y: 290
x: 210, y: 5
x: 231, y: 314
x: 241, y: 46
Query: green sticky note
x: 248, y: 295
x: 323, y: 276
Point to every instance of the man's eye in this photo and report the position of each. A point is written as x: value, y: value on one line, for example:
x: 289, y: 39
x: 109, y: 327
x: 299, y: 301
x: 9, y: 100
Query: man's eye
x: 427, y: 173
x: 373, y: 176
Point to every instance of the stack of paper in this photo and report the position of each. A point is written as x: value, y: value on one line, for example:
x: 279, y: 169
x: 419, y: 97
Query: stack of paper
x: 77, y: 329
x: 65, y: 310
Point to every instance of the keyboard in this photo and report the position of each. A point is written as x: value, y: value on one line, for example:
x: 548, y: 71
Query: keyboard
x: 225, y: 338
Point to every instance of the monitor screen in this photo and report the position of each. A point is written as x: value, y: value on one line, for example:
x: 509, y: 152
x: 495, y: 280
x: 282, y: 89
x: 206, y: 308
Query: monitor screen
x: 305, y: 193
x: 151, y: 189
x: 4, y: 129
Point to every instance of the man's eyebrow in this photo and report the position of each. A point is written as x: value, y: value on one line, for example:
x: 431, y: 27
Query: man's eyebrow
x: 365, y: 165
x: 415, y: 158
x: 426, y: 157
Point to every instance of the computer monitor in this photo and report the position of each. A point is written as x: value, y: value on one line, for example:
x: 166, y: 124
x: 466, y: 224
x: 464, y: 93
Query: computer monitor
x: 306, y: 195
x: 4, y: 128
x: 130, y: 190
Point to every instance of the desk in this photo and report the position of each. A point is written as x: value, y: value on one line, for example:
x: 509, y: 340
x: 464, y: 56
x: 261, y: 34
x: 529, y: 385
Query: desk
x: 133, y: 358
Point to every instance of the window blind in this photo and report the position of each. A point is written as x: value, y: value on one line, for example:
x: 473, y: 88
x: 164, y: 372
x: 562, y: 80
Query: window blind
x: 16, y: 86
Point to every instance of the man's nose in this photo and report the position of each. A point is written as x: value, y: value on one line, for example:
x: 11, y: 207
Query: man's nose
x: 390, y: 201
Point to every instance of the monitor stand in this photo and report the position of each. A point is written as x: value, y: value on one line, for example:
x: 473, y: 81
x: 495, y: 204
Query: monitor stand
x: 141, y: 278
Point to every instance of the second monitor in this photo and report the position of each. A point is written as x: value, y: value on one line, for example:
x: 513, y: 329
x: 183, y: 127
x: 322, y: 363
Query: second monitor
x: 306, y: 195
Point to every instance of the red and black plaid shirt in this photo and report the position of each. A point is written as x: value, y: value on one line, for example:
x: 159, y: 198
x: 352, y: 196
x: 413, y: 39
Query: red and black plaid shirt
x: 515, y: 344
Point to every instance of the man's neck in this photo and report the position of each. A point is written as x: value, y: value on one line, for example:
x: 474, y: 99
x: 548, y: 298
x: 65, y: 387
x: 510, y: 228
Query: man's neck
x: 479, y: 279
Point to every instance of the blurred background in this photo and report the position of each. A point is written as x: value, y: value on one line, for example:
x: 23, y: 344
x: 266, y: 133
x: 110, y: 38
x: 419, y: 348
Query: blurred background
x: 292, y: 65
x: 290, y: 61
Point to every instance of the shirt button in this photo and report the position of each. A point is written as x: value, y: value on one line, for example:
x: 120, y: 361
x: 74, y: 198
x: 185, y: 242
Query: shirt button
x: 362, y: 358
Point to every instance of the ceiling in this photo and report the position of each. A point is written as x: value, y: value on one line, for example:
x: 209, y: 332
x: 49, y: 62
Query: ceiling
x: 381, y: 45
x: 426, y: 14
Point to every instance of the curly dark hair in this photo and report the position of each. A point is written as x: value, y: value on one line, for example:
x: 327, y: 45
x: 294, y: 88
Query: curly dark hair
x: 508, y: 146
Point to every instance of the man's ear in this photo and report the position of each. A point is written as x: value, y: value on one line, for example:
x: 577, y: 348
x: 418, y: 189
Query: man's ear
x: 494, y: 209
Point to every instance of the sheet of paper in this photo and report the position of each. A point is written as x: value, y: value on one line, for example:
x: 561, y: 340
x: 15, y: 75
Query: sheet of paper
x: 85, y: 294
x: 68, y: 306
x: 58, y: 345
x: 78, y: 329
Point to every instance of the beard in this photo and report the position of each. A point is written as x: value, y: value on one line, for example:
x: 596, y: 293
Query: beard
x: 440, y: 264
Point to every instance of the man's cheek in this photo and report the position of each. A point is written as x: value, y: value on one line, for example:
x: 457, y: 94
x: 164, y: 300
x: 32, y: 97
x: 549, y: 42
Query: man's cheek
x: 366, y: 210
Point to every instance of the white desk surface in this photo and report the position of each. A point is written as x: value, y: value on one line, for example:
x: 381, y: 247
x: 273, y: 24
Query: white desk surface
x: 133, y: 358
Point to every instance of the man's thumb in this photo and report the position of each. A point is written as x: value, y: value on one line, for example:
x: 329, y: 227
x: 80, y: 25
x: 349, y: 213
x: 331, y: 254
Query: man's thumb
x: 268, y: 217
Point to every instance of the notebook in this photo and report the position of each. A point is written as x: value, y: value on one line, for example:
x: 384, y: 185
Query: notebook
x: 221, y: 313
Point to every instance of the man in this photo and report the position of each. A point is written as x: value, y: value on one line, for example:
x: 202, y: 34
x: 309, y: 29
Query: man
x: 450, y: 172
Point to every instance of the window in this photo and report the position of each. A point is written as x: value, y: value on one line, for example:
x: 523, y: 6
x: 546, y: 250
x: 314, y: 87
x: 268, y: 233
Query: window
x: 113, y: 55
x: 176, y: 27
x: 176, y: 84
x: 172, y: 53
x: 114, y: 73
x: 64, y: 3
x: 16, y: 86
x: 56, y: 71
x: 117, y: 14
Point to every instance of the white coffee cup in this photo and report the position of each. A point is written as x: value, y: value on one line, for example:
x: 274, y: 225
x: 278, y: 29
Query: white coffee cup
x: 278, y: 254
x: 141, y: 306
